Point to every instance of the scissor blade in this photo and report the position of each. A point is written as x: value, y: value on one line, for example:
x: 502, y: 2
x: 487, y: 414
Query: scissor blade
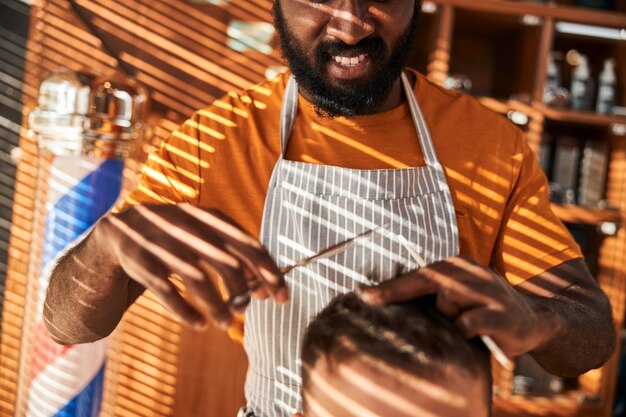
x: 241, y: 300
x: 332, y: 250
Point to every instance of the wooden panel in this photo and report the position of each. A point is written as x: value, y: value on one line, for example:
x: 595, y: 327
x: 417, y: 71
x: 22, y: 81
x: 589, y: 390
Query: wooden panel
x: 581, y: 117
x: 612, y: 266
x: 179, y: 51
x: 212, y: 373
x: 19, y: 245
x: 440, y: 60
x: 520, y: 8
x: 545, y: 46
x: 582, y: 215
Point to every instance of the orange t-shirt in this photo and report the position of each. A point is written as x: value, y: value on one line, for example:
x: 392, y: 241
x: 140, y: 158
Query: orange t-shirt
x: 224, y: 155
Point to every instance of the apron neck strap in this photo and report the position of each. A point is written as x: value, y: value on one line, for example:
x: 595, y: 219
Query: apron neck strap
x: 425, y: 140
x: 288, y: 113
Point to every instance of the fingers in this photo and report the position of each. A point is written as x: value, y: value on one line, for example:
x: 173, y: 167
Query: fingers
x: 237, y: 281
x: 404, y: 288
x: 274, y: 281
x: 150, y: 262
x: 487, y: 322
x: 446, y: 303
x: 177, y: 305
x: 260, y: 294
x: 476, y: 299
x: 478, y: 321
x: 196, y: 245
x: 224, y: 245
x: 212, y: 300
x: 149, y: 272
x: 458, y: 282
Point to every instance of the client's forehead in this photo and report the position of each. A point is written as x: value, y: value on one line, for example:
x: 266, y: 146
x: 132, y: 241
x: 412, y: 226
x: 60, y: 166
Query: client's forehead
x: 366, y: 387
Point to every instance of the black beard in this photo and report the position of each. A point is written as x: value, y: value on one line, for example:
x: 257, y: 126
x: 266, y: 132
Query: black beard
x: 349, y: 97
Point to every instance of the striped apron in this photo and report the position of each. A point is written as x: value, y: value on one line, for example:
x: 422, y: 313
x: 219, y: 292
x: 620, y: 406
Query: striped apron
x: 310, y: 207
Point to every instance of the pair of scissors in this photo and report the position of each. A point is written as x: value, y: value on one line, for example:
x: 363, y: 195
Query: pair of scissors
x: 239, y: 301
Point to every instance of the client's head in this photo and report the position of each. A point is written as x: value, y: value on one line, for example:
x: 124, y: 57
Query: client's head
x: 398, y: 360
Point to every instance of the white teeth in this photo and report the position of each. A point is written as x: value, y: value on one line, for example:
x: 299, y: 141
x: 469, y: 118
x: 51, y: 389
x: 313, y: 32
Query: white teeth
x: 349, y: 61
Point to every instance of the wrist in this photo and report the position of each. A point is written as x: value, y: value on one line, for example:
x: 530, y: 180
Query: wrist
x: 101, y: 242
x: 548, y: 326
x: 99, y: 251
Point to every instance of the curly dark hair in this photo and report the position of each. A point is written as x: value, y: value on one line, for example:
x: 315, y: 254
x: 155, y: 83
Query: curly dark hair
x: 412, y: 336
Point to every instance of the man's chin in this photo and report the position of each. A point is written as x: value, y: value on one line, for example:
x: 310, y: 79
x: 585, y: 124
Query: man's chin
x: 335, y: 96
x: 332, y: 106
x: 351, y: 86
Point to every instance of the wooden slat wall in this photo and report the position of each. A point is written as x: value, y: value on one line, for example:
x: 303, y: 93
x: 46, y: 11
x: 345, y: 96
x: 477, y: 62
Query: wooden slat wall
x: 612, y: 264
x: 13, y: 33
x: 14, y: 18
x: 598, y: 385
x: 178, y: 50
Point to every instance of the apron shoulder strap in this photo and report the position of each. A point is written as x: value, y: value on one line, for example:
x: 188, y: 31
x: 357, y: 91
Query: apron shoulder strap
x: 288, y: 112
x: 425, y: 140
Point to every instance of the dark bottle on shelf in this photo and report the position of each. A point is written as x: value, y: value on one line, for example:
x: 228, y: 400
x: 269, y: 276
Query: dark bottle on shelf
x: 607, y: 88
x: 582, y: 86
x: 565, y: 170
x: 593, y: 171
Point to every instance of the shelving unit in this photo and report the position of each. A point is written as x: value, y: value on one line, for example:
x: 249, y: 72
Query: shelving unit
x: 576, y: 117
x: 503, y: 47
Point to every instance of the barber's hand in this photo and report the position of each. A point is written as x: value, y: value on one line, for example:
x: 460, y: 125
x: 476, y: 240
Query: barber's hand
x: 479, y: 301
x: 150, y: 243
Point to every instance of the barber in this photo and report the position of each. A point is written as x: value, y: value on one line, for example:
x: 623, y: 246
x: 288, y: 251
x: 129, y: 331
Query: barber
x: 346, y: 141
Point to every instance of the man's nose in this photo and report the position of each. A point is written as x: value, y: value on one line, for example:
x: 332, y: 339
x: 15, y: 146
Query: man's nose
x: 350, y: 22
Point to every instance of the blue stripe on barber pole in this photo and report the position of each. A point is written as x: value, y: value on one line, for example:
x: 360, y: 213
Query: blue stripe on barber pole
x: 88, y: 402
x: 69, y: 383
x: 78, y: 209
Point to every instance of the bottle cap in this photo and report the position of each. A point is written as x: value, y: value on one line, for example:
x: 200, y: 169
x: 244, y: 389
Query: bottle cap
x: 582, y: 70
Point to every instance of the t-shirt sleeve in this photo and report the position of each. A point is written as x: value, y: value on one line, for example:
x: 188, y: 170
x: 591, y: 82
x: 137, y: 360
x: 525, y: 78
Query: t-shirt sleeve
x: 531, y: 238
x: 171, y: 174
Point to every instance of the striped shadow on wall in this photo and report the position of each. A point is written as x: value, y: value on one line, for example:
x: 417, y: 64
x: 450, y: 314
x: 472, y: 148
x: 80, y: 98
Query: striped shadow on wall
x: 180, y: 51
x: 14, y: 16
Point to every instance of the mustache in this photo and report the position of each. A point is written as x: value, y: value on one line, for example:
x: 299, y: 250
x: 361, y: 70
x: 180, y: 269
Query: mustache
x: 374, y: 47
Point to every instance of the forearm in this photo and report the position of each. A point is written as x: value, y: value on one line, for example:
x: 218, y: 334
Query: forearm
x: 579, y: 329
x: 87, y: 294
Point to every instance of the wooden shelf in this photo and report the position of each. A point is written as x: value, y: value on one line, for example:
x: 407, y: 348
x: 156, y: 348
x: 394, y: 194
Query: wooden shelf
x: 576, y: 117
x: 567, y: 404
x: 472, y: 33
x: 581, y: 215
x: 579, y: 117
x: 505, y: 106
x: 556, y: 12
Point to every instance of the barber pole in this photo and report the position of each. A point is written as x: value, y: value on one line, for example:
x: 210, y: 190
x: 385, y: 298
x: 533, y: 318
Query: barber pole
x: 68, y: 380
x: 85, y: 129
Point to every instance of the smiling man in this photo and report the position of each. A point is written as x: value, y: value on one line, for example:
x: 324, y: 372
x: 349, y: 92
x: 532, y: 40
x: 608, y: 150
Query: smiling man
x: 345, y: 142
x: 348, y: 72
